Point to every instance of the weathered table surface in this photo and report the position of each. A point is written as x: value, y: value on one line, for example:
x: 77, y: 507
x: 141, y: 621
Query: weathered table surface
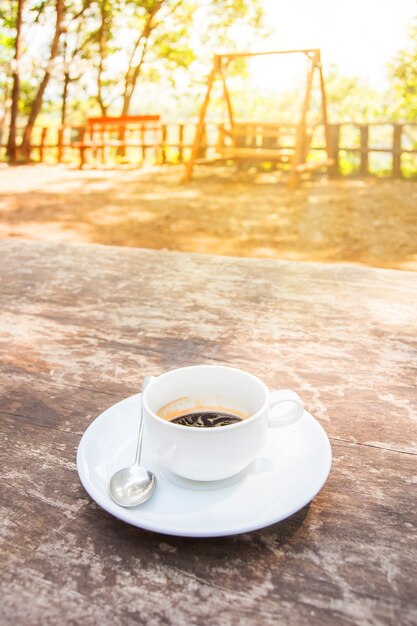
x: 81, y: 325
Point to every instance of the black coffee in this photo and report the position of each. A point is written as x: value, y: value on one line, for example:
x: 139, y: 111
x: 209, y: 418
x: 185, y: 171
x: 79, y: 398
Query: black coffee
x: 206, y: 419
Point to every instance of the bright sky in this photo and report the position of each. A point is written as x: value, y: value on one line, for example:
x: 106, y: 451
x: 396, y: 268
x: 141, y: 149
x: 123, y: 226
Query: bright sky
x: 360, y: 36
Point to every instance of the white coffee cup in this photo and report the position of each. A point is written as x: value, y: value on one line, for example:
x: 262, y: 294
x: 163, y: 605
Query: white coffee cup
x: 208, y: 454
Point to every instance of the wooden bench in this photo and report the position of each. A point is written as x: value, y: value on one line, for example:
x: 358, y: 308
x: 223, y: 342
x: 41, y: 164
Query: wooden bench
x: 127, y: 131
x: 272, y: 142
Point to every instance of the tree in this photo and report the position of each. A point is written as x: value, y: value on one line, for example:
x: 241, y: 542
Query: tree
x: 103, y: 36
x: 37, y: 101
x: 403, y: 71
x: 138, y: 53
x: 158, y: 37
x: 76, y: 47
x: 17, y: 25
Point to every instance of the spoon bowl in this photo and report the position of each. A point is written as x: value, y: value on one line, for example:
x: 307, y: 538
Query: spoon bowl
x: 133, y: 485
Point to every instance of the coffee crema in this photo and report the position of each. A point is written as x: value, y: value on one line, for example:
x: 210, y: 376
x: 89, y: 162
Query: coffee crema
x: 188, y: 411
x: 206, y: 419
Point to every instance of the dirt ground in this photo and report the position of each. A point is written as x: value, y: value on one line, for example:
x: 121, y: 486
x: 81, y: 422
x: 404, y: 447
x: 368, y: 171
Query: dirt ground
x: 222, y: 211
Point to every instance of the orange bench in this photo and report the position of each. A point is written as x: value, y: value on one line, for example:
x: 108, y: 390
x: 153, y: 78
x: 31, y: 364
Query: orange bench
x: 126, y: 131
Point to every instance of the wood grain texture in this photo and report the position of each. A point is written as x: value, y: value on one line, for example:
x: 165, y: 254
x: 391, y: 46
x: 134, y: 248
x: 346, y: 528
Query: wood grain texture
x: 79, y: 328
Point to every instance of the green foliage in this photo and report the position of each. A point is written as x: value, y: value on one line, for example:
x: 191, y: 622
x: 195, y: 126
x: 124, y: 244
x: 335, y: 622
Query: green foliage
x: 351, y: 99
x: 7, y: 24
x: 8, y: 14
x: 153, y: 39
x: 403, y: 71
x: 108, y: 46
x: 27, y: 93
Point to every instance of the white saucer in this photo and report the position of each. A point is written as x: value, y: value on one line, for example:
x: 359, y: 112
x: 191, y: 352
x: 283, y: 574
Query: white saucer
x: 289, y: 471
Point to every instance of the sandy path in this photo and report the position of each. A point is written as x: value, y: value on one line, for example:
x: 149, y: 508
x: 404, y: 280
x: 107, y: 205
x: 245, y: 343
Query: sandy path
x: 371, y: 222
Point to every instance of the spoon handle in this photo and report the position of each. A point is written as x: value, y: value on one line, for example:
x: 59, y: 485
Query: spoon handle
x: 145, y: 383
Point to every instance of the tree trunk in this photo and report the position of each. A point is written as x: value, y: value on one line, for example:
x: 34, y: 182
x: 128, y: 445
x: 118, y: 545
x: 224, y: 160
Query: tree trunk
x: 133, y: 71
x: 131, y: 84
x: 37, y: 102
x: 11, y: 143
x: 105, y: 14
x: 67, y: 81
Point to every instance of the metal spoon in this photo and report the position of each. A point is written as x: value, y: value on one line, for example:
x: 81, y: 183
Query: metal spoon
x: 135, y: 484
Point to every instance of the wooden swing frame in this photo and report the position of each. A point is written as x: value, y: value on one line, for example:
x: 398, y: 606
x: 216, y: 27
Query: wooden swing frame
x: 299, y: 162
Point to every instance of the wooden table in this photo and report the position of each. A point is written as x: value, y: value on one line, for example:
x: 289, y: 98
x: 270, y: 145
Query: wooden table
x: 81, y: 325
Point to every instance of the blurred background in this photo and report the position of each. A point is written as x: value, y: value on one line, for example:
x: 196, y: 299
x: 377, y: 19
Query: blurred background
x: 100, y: 103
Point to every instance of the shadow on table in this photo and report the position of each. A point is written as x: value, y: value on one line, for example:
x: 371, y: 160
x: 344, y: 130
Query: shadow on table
x: 110, y: 562
x: 281, y: 533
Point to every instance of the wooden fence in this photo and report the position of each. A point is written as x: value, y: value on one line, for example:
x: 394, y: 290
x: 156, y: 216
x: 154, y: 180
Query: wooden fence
x: 397, y: 142
x: 381, y: 148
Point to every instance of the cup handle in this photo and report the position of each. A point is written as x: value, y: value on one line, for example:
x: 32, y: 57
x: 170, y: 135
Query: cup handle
x: 288, y: 415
